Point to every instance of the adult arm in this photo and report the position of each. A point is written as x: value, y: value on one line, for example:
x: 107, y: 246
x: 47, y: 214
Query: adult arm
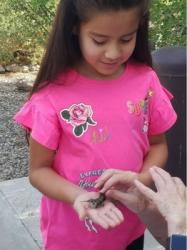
x: 170, y: 199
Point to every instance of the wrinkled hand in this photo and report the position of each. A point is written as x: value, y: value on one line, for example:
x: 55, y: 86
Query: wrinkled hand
x: 106, y: 216
x: 131, y: 198
x: 170, y: 198
x: 116, y: 179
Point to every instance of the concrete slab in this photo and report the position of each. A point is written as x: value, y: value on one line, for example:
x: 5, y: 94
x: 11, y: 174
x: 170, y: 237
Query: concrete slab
x: 19, y: 217
x: 14, y: 235
x: 150, y: 243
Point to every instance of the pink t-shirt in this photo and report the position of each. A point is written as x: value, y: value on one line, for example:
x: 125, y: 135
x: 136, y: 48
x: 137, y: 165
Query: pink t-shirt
x: 94, y: 125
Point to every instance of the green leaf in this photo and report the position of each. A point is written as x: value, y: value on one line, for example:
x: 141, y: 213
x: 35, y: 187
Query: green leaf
x: 78, y: 130
x: 85, y: 126
x: 90, y: 121
x: 65, y: 114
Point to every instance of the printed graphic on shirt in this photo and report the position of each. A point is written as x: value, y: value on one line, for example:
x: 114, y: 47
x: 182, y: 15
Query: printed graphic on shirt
x: 100, y: 135
x: 86, y: 181
x: 140, y: 107
x: 89, y: 225
x: 80, y: 117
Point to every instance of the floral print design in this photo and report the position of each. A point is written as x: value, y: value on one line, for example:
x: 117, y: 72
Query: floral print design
x: 141, y: 105
x: 80, y: 117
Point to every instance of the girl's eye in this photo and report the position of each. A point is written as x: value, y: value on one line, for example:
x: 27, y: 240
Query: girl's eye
x: 126, y: 40
x: 99, y: 42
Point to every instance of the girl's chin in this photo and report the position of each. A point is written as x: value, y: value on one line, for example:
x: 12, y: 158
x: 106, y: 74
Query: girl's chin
x: 110, y: 70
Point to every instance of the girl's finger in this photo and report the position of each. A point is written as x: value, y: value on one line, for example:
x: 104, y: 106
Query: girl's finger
x: 80, y: 210
x: 97, y: 218
x: 111, y: 214
x: 147, y: 192
x: 110, y: 219
x: 117, y: 214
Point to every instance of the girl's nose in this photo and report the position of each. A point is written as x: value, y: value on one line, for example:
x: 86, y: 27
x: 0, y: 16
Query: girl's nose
x: 113, y: 53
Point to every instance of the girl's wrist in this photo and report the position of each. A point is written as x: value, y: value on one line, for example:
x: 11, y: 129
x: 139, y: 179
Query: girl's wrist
x: 145, y: 178
x: 77, y: 193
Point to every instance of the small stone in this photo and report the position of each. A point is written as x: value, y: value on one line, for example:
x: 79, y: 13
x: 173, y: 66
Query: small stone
x: 24, y: 85
x: 25, y: 69
x: 33, y: 68
x: 12, y: 68
x: 2, y: 69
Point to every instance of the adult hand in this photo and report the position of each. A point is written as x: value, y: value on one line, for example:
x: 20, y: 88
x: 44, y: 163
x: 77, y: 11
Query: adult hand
x: 131, y: 198
x: 170, y: 198
x: 117, y: 179
x: 106, y: 216
x: 119, y: 185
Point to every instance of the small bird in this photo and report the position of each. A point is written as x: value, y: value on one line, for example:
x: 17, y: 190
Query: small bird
x: 97, y: 202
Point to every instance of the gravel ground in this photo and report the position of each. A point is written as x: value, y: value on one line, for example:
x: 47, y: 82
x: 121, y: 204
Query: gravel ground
x: 13, y: 146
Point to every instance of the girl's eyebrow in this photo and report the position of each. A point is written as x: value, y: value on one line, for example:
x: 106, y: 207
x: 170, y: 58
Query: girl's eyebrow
x: 106, y: 36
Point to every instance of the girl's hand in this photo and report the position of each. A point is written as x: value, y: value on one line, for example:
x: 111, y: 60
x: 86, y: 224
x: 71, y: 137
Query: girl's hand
x: 117, y: 179
x: 106, y: 216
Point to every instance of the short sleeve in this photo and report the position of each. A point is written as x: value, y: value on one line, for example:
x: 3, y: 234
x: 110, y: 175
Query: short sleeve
x: 38, y: 116
x: 162, y: 114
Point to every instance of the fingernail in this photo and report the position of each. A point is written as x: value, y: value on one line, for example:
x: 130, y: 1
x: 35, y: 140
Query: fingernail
x: 152, y: 169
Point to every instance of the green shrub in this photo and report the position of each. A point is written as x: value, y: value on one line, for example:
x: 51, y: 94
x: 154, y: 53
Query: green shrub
x: 25, y: 26
x: 168, y: 23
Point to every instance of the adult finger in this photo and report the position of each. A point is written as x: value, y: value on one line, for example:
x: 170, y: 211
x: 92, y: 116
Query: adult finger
x: 164, y: 175
x: 147, y: 192
x: 127, y: 199
x: 158, y: 179
x: 124, y: 178
x: 104, y: 177
x: 181, y: 188
x: 123, y: 197
x: 111, y: 182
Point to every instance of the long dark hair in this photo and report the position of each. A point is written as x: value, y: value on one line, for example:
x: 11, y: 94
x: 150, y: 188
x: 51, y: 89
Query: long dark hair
x: 63, y: 51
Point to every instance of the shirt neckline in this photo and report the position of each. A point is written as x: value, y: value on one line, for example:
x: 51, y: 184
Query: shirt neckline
x: 82, y: 78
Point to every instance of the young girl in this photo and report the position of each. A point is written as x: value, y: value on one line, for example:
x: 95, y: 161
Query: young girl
x: 96, y: 105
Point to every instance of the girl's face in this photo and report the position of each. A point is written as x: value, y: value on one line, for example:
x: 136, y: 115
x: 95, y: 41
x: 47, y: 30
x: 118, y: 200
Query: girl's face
x: 107, y: 41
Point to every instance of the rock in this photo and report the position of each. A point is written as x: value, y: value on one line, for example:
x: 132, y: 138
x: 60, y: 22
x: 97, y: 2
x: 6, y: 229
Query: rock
x: 24, y: 85
x: 13, y: 68
x: 2, y: 69
x: 34, y: 68
x: 25, y: 69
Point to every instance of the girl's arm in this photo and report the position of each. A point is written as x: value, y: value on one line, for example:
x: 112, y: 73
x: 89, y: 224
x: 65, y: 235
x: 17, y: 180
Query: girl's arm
x: 122, y: 180
x: 45, y: 179
x: 157, y: 156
